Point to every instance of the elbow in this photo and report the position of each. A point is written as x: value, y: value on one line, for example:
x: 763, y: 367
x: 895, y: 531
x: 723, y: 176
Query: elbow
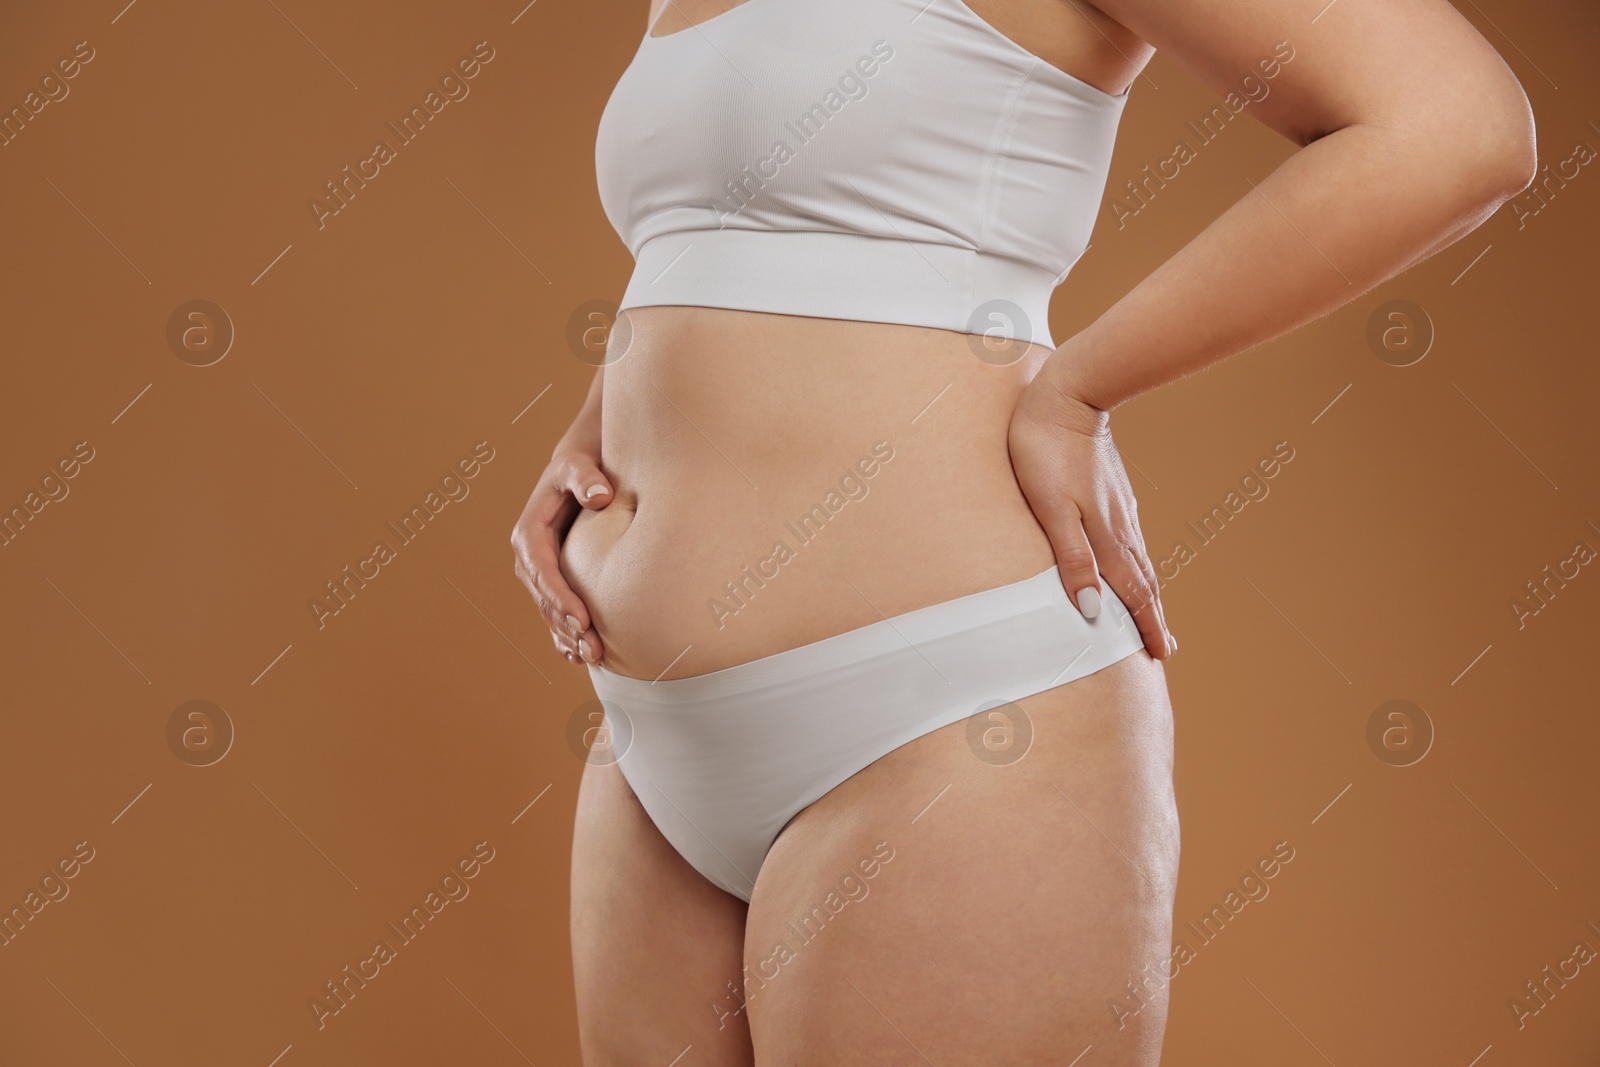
x: 1496, y: 144
x: 1510, y: 158
x: 1463, y: 149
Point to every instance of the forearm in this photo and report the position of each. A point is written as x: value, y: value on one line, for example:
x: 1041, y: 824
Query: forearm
x: 1338, y: 217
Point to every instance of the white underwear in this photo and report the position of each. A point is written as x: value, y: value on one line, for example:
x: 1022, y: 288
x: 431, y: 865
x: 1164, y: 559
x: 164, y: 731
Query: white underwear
x: 722, y: 761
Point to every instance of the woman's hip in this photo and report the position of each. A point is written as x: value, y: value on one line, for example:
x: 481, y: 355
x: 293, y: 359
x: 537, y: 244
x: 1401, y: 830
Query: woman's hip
x: 722, y: 761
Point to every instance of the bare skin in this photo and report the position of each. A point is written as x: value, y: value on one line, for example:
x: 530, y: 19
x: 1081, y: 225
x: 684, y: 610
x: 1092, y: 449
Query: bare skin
x: 1019, y: 904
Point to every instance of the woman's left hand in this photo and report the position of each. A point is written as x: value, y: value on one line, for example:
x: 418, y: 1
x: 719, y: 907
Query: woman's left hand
x: 1074, y: 480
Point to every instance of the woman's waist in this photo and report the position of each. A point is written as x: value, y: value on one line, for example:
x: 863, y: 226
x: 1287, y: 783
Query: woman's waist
x: 733, y: 401
x: 781, y: 479
x: 681, y: 582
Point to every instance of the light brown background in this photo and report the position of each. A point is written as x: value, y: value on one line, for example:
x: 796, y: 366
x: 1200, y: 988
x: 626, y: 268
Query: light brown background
x: 373, y: 753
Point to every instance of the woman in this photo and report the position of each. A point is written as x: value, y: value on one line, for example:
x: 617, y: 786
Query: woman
x: 841, y: 533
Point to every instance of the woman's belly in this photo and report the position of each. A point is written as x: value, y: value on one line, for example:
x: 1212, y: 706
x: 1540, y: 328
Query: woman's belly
x: 782, y: 479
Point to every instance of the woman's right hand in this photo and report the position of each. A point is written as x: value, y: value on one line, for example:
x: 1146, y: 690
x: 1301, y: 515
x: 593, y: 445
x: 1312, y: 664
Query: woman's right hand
x: 572, y: 480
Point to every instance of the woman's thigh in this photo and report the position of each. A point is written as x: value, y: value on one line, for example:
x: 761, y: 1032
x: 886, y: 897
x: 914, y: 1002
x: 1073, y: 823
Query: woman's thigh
x: 654, y: 945
x: 955, y: 903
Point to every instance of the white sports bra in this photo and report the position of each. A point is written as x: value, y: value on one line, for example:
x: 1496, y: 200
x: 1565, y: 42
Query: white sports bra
x: 879, y: 160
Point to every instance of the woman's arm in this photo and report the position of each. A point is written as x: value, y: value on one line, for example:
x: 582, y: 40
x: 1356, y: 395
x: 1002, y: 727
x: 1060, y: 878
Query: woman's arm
x: 1414, y: 132
x: 572, y: 478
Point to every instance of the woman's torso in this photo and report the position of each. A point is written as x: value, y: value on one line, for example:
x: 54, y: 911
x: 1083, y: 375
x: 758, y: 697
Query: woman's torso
x: 783, y: 478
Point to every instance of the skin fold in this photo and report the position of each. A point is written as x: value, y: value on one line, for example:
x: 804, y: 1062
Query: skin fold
x: 1030, y: 892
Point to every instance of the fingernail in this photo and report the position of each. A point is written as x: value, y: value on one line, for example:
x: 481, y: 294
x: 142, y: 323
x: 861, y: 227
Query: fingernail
x: 572, y: 625
x: 593, y: 491
x: 1089, y: 601
x: 1172, y: 644
x: 583, y: 650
